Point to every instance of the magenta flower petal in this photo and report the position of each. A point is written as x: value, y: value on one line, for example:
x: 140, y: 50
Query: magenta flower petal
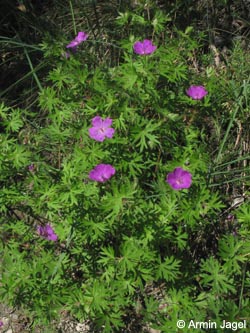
x: 53, y: 237
x: 96, y: 134
x: 148, y: 47
x: 31, y: 167
x: 101, y: 129
x: 196, y: 92
x: 138, y: 48
x: 72, y: 44
x: 109, y: 132
x: 144, y: 48
x: 107, y: 122
x: 97, y: 121
x: 47, y: 232
x: 102, y: 172
x: 179, y: 179
x: 81, y: 37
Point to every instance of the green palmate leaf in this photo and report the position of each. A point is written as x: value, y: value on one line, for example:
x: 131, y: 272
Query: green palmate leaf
x: 59, y: 77
x: 95, y: 231
x: 179, y: 304
x: 243, y: 214
x: 213, y: 275
x: 108, y: 256
x: 20, y: 156
x: 138, y: 19
x: 143, y: 137
x: 109, y: 275
x: 99, y: 81
x: 168, y: 269
x: 116, y: 201
x: 111, y: 321
x: 133, y: 164
x: 231, y: 251
x: 69, y: 195
x: 97, y: 295
x: 8, y: 197
x: 48, y: 99
x: 111, y: 100
x: 203, y: 204
x: 4, y: 110
x: 180, y: 238
x: 135, y: 260
x: 159, y: 21
x: 127, y: 78
x: 122, y: 19
x: 172, y: 67
x: 128, y: 285
x: 14, y: 122
x: 55, y: 133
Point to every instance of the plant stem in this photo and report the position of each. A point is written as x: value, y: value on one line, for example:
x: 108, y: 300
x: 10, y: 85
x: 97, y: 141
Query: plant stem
x: 238, y: 105
x: 73, y: 16
x: 32, y: 70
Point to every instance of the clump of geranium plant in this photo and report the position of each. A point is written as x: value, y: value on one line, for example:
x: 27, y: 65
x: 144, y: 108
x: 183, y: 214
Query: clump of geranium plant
x: 117, y: 188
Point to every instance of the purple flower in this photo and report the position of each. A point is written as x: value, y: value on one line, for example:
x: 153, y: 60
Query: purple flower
x: 179, y: 179
x: 144, y: 48
x: 31, y: 167
x: 81, y: 37
x: 196, y: 92
x: 1, y: 324
x: 101, y: 129
x: 47, y: 232
x: 102, y: 172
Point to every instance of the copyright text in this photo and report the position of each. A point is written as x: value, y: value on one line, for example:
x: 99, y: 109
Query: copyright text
x: 192, y: 324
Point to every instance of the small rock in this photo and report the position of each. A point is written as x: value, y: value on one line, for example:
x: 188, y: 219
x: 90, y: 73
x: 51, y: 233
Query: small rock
x: 5, y: 320
x: 82, y: 327
x: 14, y: 317
x: 152, y: 330
x: 9, y: 331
